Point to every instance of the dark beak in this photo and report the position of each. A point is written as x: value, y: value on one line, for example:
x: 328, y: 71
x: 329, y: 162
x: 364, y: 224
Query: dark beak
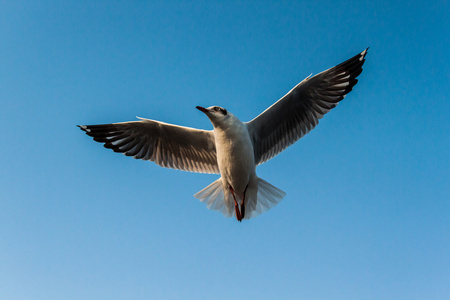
x: 202, y: 109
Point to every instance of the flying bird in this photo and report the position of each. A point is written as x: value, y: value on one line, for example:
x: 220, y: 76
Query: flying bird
x: 233, y: 148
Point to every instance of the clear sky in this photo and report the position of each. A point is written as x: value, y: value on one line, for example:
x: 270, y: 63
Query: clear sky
x: 367, y: 210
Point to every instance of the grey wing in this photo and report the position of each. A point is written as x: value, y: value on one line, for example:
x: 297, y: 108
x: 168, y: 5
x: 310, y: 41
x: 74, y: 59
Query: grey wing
x: 168, y: 145
x: 299, y: 111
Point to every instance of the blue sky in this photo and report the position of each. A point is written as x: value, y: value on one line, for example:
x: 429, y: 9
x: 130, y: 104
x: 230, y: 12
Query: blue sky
x: 367, y: 211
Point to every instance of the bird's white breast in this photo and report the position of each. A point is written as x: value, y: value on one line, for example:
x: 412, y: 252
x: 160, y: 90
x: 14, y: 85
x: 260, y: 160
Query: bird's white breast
x: 235, y: 155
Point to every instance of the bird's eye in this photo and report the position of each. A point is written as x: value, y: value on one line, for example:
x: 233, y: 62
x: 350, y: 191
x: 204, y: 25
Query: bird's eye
x: 222, y: 110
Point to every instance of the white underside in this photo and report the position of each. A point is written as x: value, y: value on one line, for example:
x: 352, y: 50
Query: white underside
x: 214, y: 197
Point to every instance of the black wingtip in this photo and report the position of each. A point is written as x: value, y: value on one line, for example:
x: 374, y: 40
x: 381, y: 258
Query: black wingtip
x: 83, y: 127
x: 364, y: 53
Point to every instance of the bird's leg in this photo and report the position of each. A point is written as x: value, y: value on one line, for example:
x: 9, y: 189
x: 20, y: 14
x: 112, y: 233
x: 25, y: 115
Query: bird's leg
x: 236, y: 207
x: 243, y: 204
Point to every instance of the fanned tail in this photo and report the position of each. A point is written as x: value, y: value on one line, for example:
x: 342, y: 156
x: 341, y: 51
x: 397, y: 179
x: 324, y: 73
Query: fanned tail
x: 266, y: 197
x: 214, y: 198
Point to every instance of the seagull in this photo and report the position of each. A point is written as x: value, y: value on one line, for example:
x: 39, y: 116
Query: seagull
x: 233, y: 148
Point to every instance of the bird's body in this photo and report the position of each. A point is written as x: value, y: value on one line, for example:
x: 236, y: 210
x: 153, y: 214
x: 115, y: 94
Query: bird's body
x: 235, y: 158
x: 234, y: 148
x: 235, y: 154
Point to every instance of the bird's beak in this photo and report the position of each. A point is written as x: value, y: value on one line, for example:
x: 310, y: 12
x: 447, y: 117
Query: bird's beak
x: 202, y: 109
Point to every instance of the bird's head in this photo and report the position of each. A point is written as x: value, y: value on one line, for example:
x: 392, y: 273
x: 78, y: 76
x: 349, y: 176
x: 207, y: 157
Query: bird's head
x: 216, y: 114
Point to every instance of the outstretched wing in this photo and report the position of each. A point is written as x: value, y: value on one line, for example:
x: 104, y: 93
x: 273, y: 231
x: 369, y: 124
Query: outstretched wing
x: 168, y: 145
x: 299, y: 111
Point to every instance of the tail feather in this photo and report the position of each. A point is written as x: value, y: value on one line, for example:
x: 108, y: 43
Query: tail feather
x: 214, y: 197
x: 268, y: 197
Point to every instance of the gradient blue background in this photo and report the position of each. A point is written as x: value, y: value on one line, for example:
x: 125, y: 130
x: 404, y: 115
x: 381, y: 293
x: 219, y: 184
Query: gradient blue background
x: 367, y: 211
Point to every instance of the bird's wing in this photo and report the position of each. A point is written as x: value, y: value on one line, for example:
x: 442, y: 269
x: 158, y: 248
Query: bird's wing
x: 299, y: 111
x: 168, y: 145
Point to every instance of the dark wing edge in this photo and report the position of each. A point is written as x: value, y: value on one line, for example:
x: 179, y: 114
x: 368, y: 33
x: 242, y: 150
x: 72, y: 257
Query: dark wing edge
x: 299, y: 111
x: 167, y: 145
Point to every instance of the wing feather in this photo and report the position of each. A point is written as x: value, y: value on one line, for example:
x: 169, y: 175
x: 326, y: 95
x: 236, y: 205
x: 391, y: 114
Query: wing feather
x: 168, y: 145
x: 300, y: 110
